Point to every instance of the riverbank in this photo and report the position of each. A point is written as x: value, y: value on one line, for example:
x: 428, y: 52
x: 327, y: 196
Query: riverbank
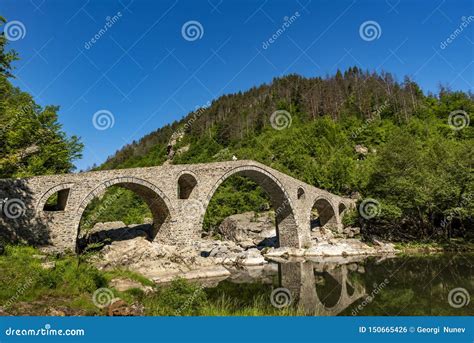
x: 448, y: 246
x: 32, y: 283
x: 209, y: 258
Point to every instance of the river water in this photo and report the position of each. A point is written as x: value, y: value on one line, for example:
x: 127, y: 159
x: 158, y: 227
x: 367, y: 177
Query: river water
x: 397, y: 286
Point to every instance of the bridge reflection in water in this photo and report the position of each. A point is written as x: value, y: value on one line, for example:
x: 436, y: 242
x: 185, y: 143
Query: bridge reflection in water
x: 321, y: 289
x: 330, y: 286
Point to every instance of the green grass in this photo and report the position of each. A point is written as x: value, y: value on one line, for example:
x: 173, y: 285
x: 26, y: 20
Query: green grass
x: 260, y: 306
x: 26, y: 288
x: 452, y: 245
x: 24, y: 281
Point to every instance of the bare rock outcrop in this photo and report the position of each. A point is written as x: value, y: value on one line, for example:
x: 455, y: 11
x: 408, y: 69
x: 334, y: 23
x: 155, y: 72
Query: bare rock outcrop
x: 207, y: 258
x: 250, y: 229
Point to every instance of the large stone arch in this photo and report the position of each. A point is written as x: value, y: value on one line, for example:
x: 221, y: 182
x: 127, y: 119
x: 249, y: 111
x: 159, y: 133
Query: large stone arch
x: 328, y: 212
x: 286, y: 223
x: 159, y: 204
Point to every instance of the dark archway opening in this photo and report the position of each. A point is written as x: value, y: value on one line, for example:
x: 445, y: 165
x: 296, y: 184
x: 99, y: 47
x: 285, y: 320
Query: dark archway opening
x: 342, y: 208
x: 322, y: 215
x: 186, y: 184
x: 57, y: 201
x: 328, y: 289
x: 123, y: 211
x: 300, y: 193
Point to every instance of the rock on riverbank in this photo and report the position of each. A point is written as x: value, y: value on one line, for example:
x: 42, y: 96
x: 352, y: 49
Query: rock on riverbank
x: 214, y: 259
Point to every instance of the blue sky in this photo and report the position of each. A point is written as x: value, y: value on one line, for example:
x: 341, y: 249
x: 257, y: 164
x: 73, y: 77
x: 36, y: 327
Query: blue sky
x: 146, y: 73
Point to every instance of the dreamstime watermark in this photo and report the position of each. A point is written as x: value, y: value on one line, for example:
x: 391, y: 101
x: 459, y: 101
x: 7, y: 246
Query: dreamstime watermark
x: 189, y: 301
x: 458, y: 297
x: 280, y: 119
x: 281, y: 297
x: 14, y: 30
x: 368, y: 299
x: 282, y: 207
x: 103, y: 297
x: 103, y: 120
x: 456, y: 212
x: 19, y: 292
x: 465, y: 21
x: 458, y: 120
x: 370, y: 30
x: 198, y: 112
x: 23, y: 111
x: 376, y: 114
x: 44, y: 331
x: 103, y: 207
x: 369, y: 208
x: 110, y: 21
x: 287, y: 21
x: 192, y: 30
x: 192, y: 208
x: 12, y: 208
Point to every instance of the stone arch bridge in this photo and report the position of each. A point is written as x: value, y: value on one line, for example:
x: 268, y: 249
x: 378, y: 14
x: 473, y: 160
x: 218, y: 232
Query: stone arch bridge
x: 177, y: 196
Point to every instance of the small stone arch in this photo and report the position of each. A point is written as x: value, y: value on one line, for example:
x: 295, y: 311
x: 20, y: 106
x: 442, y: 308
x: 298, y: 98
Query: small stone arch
x: 186, y: 183
x: 63, y: 191
x: 300, y: 193
x: 286, y: 224
x: 159, y: 204
x: 341, y: 208
x: 328, y: 217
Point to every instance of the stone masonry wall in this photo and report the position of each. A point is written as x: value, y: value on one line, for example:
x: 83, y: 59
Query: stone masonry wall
x: 177, y: 221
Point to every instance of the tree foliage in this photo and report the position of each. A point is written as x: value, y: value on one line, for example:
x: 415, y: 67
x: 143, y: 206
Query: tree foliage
x: 31, y: 139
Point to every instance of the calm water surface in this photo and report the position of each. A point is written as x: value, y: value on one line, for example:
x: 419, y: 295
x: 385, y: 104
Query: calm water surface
x: 401, y: 286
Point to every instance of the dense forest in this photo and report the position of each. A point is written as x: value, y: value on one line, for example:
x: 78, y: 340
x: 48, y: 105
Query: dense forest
x: 356, y: 133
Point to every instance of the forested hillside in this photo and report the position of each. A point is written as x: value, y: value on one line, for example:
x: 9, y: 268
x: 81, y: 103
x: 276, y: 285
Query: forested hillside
x: 244, y: 115
x: 354, y: 132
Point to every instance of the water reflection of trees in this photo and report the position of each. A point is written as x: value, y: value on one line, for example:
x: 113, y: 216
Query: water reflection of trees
x: 400, y: 286
x: 419, y: 285
x: 374, y: 286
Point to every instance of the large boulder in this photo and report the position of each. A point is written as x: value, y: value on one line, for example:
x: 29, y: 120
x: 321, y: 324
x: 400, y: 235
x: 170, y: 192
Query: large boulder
x: 151, y: 259
x: 132, y: 252
x: 109, y: 232
x: 250, y: 229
